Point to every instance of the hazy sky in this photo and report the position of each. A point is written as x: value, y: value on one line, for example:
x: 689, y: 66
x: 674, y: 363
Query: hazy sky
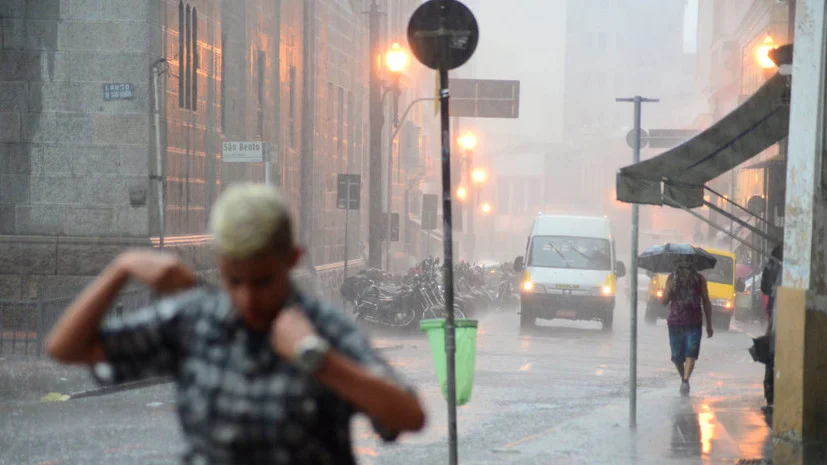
x: 522, y: 40
x: 690, y: 27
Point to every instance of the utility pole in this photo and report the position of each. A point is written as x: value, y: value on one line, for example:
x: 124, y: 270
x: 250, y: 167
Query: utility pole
x: 308, y: 123
x: 377, y: 120
x: 474, y: 204
x: 396, y: 93
x: 637, y: 100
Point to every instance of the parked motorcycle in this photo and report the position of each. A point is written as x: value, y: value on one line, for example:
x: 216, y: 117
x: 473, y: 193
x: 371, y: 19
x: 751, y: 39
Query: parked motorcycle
x: 401, y: 301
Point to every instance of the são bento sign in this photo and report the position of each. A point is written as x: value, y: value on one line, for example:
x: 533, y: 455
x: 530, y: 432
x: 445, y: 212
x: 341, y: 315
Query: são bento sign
x: 242, y: 152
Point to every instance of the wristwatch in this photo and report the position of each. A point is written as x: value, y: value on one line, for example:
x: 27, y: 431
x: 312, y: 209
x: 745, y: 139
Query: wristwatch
x: 310, y: 353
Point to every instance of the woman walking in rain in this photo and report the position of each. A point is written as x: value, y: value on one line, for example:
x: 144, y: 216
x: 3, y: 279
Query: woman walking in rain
x: 686, y: 294
x: 264, y: 374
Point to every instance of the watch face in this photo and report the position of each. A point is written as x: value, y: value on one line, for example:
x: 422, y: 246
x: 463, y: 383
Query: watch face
x: 310, y: 354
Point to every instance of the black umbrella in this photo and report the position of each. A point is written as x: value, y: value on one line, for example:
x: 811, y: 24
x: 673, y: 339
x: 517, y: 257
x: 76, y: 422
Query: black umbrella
x: 663, y: 258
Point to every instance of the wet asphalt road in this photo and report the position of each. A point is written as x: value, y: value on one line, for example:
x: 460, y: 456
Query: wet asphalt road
x: 527, y: 386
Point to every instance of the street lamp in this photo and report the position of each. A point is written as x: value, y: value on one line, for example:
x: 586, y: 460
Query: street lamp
x: 479, y: 176
x: 467, y: 141
x: 487, y: 210
x: 396, y: 61
x: 762, y: 53
x: 462, y: 193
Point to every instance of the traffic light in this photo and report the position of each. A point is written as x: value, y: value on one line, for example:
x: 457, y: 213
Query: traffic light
x: 430, y: 203
x: 456, y: 220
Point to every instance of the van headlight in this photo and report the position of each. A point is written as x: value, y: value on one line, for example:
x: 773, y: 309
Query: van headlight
x: 725, y: 303
x: 528, y: 286
x: 605, y: 291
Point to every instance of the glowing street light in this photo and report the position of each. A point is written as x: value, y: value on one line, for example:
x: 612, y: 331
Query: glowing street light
x: 479, y: 176
x: 462, y: 193
x: 396, y: 59
x: 486, y: 208
x: 467, y: 141
x: 762, y: 53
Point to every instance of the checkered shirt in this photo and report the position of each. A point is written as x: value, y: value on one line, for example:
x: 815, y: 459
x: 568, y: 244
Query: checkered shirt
x: 239, y: 403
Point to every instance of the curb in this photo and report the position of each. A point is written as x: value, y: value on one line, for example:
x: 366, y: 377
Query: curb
x: 389, y: 348
x: 96, y: 392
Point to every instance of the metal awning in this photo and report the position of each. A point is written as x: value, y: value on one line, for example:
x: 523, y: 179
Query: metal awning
x: 678, y: 176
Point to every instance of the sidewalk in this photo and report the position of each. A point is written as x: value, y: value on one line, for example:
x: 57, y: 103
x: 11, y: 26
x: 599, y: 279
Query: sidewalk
x: 721, y: 422
x: 28, y: 379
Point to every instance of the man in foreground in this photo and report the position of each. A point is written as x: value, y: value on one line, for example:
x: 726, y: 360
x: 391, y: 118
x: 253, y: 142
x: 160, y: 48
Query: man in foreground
x: 264, y: 374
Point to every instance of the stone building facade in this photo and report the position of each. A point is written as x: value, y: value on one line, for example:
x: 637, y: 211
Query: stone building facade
x: 78, y: 149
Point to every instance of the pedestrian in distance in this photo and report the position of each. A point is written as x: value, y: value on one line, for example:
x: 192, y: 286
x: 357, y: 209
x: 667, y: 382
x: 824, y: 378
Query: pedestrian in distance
x: 264, y: 374
x: 687, y: 296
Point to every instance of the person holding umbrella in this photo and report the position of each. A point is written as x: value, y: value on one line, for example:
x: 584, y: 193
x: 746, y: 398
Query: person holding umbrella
x: 686, y: 293
x: 687, y: 296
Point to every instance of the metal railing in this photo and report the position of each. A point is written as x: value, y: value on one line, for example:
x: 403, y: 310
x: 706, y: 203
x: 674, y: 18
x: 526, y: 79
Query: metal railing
x: 24, y: 324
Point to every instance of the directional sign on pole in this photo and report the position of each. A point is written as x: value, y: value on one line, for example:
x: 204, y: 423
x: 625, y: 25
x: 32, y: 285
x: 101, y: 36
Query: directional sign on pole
x: 485, y: 98
x: 348, y: 184
x: 632, y: 135
x: 394, y: 227
x: 430, y: 204
x: 668, y: 138
x: 661, y: 138
x: 458, y: 216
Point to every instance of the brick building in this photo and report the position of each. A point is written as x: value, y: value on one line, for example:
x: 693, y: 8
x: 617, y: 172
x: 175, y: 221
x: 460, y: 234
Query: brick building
x: 78, y: 151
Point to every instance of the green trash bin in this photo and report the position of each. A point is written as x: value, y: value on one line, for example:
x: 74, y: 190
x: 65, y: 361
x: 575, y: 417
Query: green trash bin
x: 466, y: 354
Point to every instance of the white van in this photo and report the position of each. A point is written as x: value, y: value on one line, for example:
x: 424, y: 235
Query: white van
x: 569, y: 270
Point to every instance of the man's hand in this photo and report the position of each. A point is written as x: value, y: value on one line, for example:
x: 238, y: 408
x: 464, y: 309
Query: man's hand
x: 289, y: 328
x: 164, y: 273
x: 709, y: 331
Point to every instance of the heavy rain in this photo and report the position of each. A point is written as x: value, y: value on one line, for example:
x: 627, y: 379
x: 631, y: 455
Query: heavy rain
x: 395, y: 232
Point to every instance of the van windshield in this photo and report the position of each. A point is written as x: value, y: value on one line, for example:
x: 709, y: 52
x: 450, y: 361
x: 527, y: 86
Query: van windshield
x: 722, y: 273
x: 578, y: 253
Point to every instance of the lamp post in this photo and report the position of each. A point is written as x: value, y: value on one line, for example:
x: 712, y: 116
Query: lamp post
x: 488, y: 211
x: 467, y: 142
x: 762, y: 53
x: 396, y: 61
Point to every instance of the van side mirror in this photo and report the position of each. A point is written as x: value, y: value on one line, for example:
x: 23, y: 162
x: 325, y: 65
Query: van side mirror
x: 740, y: 285
x: 519, y: 264
x: 620, y: 269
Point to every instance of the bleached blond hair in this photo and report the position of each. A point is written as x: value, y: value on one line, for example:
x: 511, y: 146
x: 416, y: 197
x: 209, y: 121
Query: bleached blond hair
x: 249, y: 219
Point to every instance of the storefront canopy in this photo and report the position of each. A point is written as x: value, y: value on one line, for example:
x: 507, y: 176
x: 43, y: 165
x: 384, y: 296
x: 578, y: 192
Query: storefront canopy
x: 678, y: 176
